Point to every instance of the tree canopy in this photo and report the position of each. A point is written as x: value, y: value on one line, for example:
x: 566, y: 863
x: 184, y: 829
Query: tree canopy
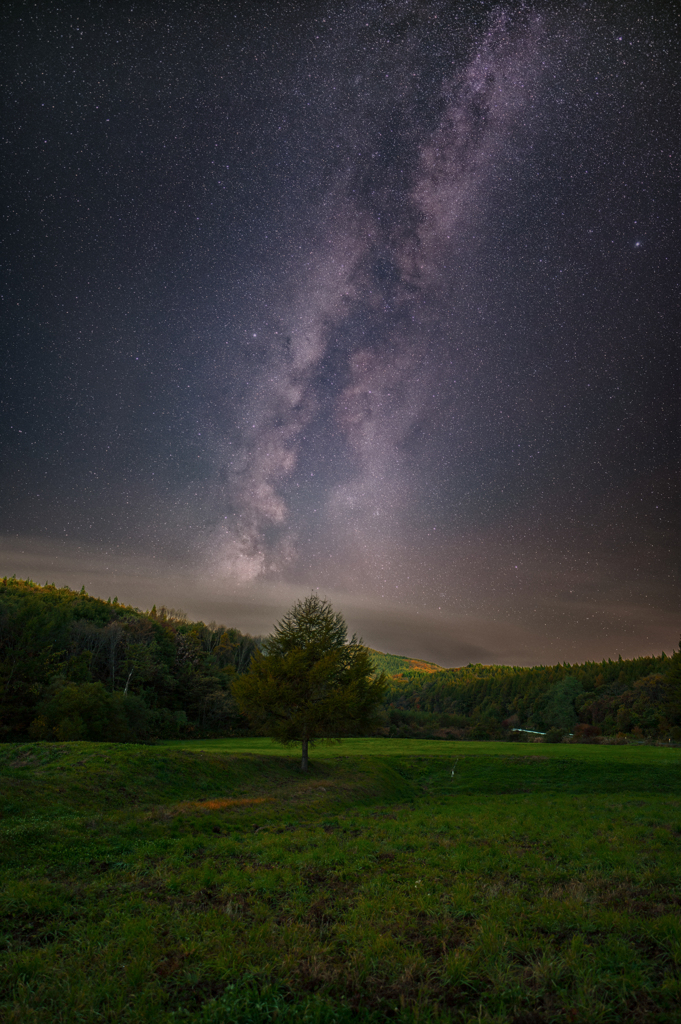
x: 74, y: 666
x: 310, y: 682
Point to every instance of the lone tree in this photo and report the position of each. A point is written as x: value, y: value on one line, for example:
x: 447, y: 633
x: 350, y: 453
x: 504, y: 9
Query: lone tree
x: 310, y: 682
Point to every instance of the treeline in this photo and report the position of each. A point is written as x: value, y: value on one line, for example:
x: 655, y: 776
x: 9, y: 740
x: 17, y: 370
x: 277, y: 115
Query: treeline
x: 77, y: 667
x: 640, y: 697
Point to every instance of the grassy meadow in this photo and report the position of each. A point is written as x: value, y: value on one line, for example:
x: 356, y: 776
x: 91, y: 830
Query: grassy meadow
x: 210, y: 882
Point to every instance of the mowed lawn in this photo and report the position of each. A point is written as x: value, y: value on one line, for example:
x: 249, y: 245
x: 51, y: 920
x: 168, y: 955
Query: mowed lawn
x: 211, y: 882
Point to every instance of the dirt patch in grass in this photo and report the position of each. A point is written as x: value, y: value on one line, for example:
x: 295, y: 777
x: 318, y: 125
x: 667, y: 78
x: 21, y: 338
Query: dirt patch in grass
x: 435, y: 946
x: 220, y: 804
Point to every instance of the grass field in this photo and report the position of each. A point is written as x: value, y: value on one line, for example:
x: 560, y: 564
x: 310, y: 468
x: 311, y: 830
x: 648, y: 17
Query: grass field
x: 210, y: 882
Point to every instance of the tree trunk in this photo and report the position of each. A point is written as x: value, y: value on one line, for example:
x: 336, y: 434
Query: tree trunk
x: 304, y: 762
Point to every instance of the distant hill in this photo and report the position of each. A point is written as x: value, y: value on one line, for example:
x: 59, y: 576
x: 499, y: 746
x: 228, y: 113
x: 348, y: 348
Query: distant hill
x: 398, y: 666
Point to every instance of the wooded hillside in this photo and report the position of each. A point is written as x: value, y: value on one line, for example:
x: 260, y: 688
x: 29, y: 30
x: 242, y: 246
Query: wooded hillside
x: 641, y: 697
x: 77, y: 667
x: 74, y: 666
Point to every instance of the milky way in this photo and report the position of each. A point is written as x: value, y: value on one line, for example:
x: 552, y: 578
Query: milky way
x: 375, y: 299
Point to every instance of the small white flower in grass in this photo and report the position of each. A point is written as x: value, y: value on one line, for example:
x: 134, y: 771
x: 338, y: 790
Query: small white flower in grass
x: 417, y: 883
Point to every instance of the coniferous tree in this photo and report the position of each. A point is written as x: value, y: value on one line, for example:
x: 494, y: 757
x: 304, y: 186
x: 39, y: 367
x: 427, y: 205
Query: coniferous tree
x: 310, y: 682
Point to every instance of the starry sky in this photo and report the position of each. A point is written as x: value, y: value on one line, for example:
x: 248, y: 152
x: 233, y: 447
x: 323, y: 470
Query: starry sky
x: 375, y: 299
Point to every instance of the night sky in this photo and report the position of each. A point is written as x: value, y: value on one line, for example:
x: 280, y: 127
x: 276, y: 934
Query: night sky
x: 379, y: 299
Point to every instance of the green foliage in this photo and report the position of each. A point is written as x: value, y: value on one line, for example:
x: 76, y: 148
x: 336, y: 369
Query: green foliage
x: 76, y: 667
x: 642, y: 695
x: 310, y: 682
x: 559, y: 707
x: 74, y: 711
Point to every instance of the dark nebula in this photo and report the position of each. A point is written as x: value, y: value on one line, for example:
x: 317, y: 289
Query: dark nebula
x: 375, y: 298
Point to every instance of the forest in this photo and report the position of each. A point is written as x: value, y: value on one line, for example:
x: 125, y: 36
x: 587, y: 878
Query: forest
x: 74, y: 666
x: 640, y: 698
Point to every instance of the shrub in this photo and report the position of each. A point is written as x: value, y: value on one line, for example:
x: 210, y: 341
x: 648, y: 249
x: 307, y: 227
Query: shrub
x: 89, y: 712
x: 585, y: 733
